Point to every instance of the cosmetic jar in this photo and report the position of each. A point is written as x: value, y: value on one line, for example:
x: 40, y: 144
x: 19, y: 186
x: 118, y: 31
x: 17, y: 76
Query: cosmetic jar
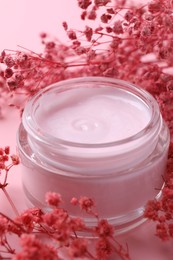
x: 97, y: 137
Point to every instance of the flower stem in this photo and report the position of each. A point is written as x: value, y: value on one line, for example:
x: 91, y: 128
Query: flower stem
x: 10, y: 201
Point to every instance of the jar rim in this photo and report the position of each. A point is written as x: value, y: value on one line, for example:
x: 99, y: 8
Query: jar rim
x: 35, y: 131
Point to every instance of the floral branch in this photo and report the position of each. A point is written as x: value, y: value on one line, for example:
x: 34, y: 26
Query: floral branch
x: 61, y: 232
x: 56, y: 226
x: 7, y: 161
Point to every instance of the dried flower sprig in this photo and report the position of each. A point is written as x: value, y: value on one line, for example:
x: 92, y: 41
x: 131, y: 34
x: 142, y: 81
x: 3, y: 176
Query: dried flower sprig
x: 7, y: 161
x: 60, y: 231
x: 55, y: 226
x: 132, y: 42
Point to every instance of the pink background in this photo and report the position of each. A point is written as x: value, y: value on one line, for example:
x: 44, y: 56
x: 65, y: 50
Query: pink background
x: 21, y: 21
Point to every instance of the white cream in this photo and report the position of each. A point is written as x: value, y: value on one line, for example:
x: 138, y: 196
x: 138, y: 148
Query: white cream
x: 93, y: 115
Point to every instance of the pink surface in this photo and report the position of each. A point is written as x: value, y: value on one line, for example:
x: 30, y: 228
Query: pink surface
x: 21, y: 22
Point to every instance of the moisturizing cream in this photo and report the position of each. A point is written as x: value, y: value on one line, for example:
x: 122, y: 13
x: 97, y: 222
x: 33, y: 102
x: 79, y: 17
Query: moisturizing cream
x: 97, y: 137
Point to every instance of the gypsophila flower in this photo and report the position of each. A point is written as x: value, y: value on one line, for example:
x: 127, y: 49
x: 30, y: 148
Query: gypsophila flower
x: 53, y: 199
x: 84, y: 3
x: 86, y: 204
x: 79, y: 248
x: 104, y: 229
x: 33, y: 248
x: 103, y: 249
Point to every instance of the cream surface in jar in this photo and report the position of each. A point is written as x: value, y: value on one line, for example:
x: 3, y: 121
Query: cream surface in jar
x: 96, y: 137
x: 92, y: 116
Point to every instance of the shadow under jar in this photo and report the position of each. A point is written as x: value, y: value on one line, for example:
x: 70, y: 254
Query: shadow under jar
x: 97, y: 137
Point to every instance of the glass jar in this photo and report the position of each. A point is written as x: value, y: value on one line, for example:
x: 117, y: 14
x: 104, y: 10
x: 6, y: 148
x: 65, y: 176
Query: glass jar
x: 97, y: 137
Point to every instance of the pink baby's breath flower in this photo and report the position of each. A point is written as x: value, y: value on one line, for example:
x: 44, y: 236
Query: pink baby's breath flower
x: 29, y: 218
x: 86, y: 204
x: 53, y: 199
x: 88, y: 33
x: 103, y: 248
x: 74, y: 201
x: 8, y: 73
x: 117, y: 28
x: 7, y: 150
x: 15, y: 159
x: 76, y: 224
x: 104, y: 229
x: 83, y: 4
x: 155, y: 6
x: 79, y: 248
x: 101, y: 2
x: 8, y: 60
x: 72, y: 35
x: 92, y: 15
x: 34, y: 249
